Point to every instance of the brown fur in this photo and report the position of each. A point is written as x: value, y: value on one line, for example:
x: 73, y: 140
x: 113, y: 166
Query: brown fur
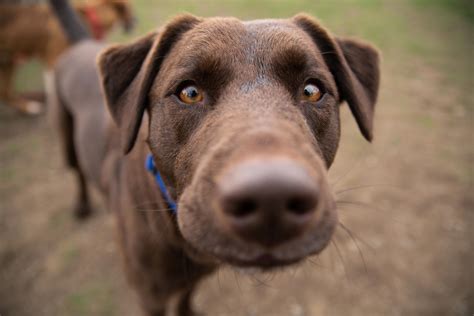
x: 252, y: 74
x: 32, y: 31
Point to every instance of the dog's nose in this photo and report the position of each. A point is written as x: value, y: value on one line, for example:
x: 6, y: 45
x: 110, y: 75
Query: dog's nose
x: 268, y: 201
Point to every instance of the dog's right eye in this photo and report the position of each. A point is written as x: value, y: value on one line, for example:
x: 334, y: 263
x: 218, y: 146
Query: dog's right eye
x: 312, y: 93
x: 190, y: 94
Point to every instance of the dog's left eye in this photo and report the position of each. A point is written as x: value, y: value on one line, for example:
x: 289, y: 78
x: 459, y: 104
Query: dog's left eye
x: 312, y: 93
x: 190, y: 94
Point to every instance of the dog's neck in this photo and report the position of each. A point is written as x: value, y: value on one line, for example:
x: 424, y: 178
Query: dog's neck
x: 151, y: 167
x: 145, y: 200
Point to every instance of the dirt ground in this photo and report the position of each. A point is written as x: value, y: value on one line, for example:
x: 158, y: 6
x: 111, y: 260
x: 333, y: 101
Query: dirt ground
x: 406, y: 199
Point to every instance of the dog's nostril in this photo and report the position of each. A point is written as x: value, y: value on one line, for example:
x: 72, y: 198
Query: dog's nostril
x: 242, y: 208
x: 300, y: 205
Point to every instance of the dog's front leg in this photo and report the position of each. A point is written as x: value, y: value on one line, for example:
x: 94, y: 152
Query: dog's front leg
x: 160, y: 272
x: 156, y: 312
x: 157, y: 293
x: 160, y: 312
x: 184, y: 306
x: 153, y: 299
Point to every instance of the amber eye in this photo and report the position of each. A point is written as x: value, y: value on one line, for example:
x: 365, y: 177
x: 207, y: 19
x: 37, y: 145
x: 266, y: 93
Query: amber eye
x: 190, y: 94
x: 312, y: 93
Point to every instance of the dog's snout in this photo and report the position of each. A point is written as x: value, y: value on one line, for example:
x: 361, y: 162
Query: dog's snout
x: 268, y: 202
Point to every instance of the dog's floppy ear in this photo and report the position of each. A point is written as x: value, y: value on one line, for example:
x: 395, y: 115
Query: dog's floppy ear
x: 128, y: 71
x: 355, y: 67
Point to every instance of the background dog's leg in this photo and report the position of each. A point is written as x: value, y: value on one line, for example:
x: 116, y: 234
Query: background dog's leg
x: 63, y: 123
x: 66, y: 132
x: 6, y: 73
x: 48, y: 79
x: 83, y: 207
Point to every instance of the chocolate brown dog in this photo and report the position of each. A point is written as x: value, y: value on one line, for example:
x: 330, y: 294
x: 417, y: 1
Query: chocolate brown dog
x: 242, y: 121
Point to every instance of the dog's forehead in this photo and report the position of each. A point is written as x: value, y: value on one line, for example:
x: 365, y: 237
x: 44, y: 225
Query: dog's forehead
x: 247, y: 53
x: 265, y: 27
x: 230, y: 35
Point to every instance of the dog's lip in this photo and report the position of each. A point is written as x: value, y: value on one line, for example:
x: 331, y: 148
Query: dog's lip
x: 265, y: 261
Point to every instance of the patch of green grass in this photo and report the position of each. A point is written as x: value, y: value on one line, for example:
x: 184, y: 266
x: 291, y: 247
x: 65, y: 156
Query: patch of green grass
x: 70, y: 255
x: 7, y: 174
x: 150, y: 17
x: 91, y: 300
x: 464, y: 8
x: 426, y: 122
x: 29, y: 76
x: 59, y: 218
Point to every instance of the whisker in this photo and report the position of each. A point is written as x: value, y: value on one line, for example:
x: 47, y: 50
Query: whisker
x: 259, y: 282
x: 340, y: 257
x: 219, y: 280
x: 269, y: 277
x: 319, y: 261
x: 349, y: 233
x: 364, y: 186
x: 360, y: 203
x: 314, y: 263
x: 237, y: 281
x: 328, y: 52
x: 366, y: 206
x: 344, y: 175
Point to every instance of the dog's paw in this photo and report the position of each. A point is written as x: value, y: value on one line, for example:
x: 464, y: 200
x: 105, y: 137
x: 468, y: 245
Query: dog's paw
x: 33, y: 108
x: 29, y: 107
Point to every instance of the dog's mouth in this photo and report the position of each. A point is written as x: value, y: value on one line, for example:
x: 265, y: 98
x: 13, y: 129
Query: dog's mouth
x: 281, y: 257
x: 265, y: 261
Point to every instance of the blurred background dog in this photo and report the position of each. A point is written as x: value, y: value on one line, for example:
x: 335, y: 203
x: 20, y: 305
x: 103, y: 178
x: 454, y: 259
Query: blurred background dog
x: 30, y: 30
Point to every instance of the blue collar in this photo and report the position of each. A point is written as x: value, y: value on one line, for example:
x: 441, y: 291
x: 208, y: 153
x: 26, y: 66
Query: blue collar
x: 150, y: 166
